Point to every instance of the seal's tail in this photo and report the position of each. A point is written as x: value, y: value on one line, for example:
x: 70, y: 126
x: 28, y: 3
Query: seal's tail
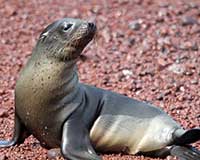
x: 185, y: 152
x: 180, y: 146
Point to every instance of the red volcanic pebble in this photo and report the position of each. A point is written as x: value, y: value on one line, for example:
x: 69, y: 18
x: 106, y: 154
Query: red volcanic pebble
x: 146, y: 49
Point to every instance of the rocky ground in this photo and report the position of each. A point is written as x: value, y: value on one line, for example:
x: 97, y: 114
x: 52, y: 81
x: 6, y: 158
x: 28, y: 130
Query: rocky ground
x: 146, y: 49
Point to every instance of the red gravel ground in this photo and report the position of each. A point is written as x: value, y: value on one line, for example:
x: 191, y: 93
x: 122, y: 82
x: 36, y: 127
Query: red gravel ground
x: 146, y: 49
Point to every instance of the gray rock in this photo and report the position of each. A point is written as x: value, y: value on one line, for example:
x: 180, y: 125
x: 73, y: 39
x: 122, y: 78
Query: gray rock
x: 187, y: 20
x: 176, y: 68
x: 135, y: 25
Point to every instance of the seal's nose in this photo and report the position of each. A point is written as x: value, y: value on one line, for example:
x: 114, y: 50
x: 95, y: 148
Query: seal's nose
x: 92, y: 26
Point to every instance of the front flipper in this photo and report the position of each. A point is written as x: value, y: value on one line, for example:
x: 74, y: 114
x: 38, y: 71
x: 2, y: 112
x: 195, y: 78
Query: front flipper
x: 75, y: 143
x: 20, y: 134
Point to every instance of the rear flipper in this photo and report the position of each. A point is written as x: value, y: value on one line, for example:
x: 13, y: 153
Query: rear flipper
x: 180, y: 141
x: 20, y: 134
x: 182, y: 152
x: 185, y: 152
x: 186, y: 137
x: 178, y: 146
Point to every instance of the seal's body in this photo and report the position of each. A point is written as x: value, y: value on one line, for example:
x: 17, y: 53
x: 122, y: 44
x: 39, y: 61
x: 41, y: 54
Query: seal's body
x: 124, y: 126
x: 62, y: 113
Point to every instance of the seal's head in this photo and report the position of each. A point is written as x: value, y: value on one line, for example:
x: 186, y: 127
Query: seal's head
x: 65, y: 38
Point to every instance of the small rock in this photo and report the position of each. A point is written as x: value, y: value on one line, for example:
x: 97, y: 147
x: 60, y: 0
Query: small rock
x: 181, y: 98
x: 164, y: 4
x: 193, y: 5
x: 131, y: 41
x: 147, y: 71
x: 163, y: 32
x: 2, y: 91
x: 194, y: 81
x: 138, y: 1
x: 106, y: 35
x: 10, y: 10
x: 3, y: 112
x: 164, y: 41
x: 121, y: 2
x: 2, y: 157
x: 188, y: 73
x: 162, y: 61
x: 127, y: 72
x: 162, y: 13
x: 167, y: 92
x: 135, y: 25
x: 146, y: 46
x: 163, y: 94
x: 52, y: 154
x: 182, y: 89
x: 96, y: 9
x: 138, y: 86
x: 172, y: 108
x: 187, y: 20
x: 160, y: 97
x: 195, y: 47
x: 75, y: 13
x: 176, y: 68
x: 120, y: 34
x: 189, y: 46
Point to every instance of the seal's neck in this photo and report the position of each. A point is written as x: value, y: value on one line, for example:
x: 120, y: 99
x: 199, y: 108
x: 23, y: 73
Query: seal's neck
x: 49, y: 81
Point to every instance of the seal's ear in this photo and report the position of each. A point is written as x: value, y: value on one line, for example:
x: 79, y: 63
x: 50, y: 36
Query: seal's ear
x: 48, y: 29
x: 43, y: 36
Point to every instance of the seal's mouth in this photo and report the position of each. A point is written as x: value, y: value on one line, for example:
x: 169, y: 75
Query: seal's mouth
x: 86, y: 32
x: 80, y: 38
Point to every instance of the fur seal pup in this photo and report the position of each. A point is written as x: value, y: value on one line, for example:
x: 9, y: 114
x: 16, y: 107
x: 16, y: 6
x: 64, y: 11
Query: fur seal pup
x: 60, y: 112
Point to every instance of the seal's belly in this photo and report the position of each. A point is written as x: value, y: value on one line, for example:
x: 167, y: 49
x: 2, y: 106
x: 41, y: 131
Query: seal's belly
x: 122, y: 133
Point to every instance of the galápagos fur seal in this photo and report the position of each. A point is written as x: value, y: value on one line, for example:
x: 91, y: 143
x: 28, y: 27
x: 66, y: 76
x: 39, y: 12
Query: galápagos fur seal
x: 61, y: 112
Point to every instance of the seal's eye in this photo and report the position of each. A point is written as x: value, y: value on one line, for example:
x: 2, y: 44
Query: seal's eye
x: 67, y: 26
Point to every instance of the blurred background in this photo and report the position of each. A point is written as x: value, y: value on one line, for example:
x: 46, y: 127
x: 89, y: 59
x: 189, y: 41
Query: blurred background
x: 146, y: 49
